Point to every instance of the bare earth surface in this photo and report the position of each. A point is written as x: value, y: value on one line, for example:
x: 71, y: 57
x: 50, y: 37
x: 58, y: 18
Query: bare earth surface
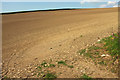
x: 29, y: 38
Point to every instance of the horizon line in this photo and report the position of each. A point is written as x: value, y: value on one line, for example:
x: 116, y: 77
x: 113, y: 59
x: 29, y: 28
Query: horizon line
x: 57, y: 9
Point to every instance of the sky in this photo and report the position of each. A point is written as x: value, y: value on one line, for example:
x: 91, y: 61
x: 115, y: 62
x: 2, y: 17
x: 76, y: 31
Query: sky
x: 25, y: 5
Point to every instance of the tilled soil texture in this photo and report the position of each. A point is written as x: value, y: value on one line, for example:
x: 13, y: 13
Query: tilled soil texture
x: 29, y: 38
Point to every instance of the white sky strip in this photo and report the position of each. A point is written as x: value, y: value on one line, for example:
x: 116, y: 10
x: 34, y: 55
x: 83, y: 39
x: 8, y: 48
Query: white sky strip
x: 109, y: 3
x: 58, y: 0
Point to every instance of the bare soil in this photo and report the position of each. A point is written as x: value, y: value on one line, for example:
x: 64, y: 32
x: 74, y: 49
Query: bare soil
x: 29, y: 38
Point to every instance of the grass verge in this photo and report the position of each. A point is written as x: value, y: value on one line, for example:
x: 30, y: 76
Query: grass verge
x: 46, y: 70
x: 105, y: 52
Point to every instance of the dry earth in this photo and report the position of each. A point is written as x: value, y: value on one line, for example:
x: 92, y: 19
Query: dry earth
x: 29, y: 38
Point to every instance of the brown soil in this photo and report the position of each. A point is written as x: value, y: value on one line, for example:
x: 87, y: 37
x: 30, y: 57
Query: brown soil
x: 29, y: 38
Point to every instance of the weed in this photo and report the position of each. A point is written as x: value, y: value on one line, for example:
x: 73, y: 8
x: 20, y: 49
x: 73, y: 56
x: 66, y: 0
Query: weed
x: 5, y: 77
x: 94, y: 48
x: 88, y: 55
x: 70, y: 66
x: 113, y: 70
x: 44, y: 64
x: 38, y: 75
x: 81, y: 35
x: 50, y: 75
x: 98, y: 57
x: 96, y: 53
x: 62, y: 62
x: 95, y: 63
x: 82, y: 51
x: 52, y: 65
x: 102, y: 63
x: 39, y: 68
x: 108, y: 45
x: 86, y: 77
x: 111, y: 44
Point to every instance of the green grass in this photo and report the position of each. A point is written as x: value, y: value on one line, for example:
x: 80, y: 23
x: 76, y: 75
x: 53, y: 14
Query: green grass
x: 52, y: 65
x: 70, y: 66
x: 46, y: 73
x: 96, y: 53
x: 108, y: 46
x: 62, y: 62
x: 44, y: 64
x: 40, y: 68
x: 111, y: 44
x: 102, y: 63
x: 82, y: 51
x: 38, y: 75
x: 94, y: 48
x: 86, y: 77
x: 88, y: 55
x: 50, y: 75
x: 5, y: 77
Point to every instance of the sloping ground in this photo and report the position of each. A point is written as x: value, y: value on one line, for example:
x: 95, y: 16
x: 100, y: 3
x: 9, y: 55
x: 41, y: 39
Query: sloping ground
x: 29, y: 38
